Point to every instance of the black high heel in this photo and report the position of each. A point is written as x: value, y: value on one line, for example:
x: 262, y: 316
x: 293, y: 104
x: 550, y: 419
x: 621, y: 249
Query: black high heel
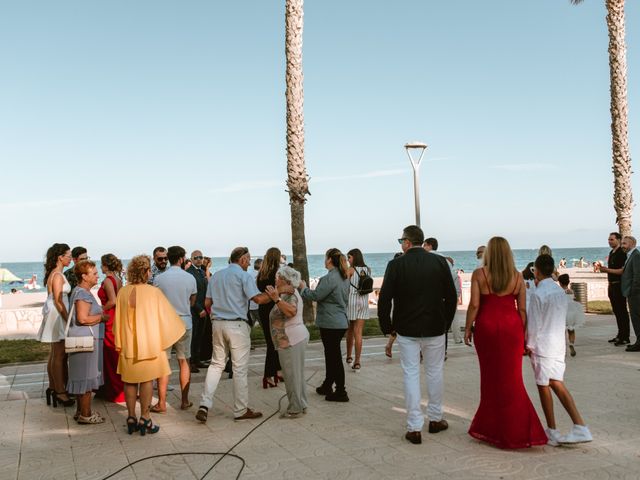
x: 132, y: 426
x: 69, y: 402
x: 146, y: 426
x: 48, y: 393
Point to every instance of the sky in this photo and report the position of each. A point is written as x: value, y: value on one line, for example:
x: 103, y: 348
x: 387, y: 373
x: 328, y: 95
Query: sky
x: 127, y: 125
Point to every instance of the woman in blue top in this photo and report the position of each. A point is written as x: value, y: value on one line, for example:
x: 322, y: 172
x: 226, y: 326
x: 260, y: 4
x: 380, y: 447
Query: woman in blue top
x: 332, y: 297
x: 85, y: 368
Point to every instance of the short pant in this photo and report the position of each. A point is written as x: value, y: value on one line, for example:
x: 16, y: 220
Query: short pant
x: 182, y: 346
x: 547, y: 368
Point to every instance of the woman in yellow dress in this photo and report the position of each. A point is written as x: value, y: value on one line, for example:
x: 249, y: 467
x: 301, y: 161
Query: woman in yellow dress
x: 145, y: 326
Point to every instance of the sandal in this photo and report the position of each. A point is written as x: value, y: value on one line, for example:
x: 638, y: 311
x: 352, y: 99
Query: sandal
x: 146, y: 426
x: 94, y: 419
x: 156, y: 409
x: 132, y: 425
x: 356, y: 367
x: 186, y: 406
x: 349, y: 360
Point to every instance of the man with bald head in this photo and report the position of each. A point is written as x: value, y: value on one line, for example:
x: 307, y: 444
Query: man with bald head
x: 198, y: 312
x: 631, y: 286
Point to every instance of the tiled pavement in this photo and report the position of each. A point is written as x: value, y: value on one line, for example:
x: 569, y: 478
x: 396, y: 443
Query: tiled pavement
x: 359, y: 439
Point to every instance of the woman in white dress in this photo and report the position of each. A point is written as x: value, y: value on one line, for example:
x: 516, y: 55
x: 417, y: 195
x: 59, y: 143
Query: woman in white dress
x: 54, y: 317
x: 358, y: 308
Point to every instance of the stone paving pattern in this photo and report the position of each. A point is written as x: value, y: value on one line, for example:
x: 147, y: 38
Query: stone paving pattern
x: 359, y: 439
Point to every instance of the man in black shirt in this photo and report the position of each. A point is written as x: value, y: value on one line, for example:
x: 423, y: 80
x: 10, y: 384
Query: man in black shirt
x: 198, y: 312
x: 615, y: 266
x: 420, y: 287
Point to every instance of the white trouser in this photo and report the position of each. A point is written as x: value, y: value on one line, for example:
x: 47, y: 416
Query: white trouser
x: 455, y: 329
x: 432, y: 349
x: 229, y: 337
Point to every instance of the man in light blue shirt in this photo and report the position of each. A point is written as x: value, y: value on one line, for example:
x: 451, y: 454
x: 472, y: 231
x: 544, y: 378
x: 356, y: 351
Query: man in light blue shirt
x: 228, y: 295
x: 180, y: 289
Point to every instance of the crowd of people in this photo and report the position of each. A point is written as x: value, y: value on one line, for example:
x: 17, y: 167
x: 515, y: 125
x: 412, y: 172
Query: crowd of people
x: 173, y: 303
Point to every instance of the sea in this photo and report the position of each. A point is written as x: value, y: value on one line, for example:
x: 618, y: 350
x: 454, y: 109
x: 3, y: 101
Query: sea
x: 465, y: 260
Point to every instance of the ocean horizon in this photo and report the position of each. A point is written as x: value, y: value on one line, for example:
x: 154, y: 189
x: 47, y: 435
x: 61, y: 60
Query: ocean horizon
x: 463, y: 259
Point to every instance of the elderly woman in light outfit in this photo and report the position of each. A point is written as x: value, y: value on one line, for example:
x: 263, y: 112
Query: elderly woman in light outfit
x: 290, y: 338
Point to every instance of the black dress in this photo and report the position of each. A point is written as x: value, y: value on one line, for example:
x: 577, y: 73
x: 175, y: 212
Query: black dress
x: 271, y: 362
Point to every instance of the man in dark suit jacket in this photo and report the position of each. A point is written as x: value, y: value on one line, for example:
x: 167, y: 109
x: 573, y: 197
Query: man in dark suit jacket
x: 631, y: 287
x: 419, y: 287
x: 198, y: 312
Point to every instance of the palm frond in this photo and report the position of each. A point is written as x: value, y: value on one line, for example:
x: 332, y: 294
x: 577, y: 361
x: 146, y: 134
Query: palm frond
x: 576, y: 2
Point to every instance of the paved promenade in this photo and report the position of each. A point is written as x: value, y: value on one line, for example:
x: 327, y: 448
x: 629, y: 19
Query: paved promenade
x: 360, y: 439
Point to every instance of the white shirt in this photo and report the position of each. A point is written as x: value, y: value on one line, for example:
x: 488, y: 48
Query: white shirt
x: 546, y: 320
x: 454, y: 275
x: 178, y: 286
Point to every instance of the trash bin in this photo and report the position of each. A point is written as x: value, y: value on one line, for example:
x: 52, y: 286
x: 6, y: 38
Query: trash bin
x: 580, y: 291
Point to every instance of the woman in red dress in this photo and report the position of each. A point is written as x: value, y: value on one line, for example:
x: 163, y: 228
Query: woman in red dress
x: 113, y: 388
x: 497, y: 310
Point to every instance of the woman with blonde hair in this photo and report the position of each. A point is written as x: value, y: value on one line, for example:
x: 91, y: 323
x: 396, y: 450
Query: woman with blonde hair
x: 332, y: 297
x: 497, y: 320
x: 145, y: 326
x: 267, y: 277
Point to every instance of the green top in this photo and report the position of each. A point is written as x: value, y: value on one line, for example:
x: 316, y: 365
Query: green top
x: 332, y: 297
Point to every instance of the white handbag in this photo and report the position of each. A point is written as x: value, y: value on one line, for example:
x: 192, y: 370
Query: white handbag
x: 76, y: 344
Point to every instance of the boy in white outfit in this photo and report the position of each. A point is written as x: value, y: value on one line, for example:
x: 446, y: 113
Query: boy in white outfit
x: 546, y: 320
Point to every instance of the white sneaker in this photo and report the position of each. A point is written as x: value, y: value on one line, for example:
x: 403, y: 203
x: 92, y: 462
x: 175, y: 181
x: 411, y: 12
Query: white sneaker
x: 553, y: 437
x: 578, y: 434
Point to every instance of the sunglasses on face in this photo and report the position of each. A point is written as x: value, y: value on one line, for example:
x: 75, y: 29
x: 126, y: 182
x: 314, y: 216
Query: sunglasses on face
x: 162, y: 259
x: 198, y: 257
x: 400, y: 240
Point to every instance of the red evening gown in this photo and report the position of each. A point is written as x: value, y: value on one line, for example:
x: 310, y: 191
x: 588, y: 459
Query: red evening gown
x: 505, y: 418
x: 113, y: 388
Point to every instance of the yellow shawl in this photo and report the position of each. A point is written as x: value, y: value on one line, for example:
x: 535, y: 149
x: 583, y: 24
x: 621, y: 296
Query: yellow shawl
x: 152, y: 326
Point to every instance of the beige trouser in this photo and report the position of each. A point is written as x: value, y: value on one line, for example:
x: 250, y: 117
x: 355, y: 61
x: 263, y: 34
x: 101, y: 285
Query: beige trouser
x: 230, y: 337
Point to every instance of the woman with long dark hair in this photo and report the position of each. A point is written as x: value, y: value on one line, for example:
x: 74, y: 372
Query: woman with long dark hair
x: 332, y: 297
x: 54, y: 318
x: 497, y: 312
x: 266, y: 277
x: 113, y: 388
x: 358, y: 308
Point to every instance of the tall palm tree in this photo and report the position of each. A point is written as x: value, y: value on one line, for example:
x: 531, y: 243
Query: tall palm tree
x: 297, y: 178
x: 622, y: 197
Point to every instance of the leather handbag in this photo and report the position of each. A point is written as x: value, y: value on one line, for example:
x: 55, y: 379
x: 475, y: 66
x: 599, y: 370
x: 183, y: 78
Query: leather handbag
x: 76, y: 344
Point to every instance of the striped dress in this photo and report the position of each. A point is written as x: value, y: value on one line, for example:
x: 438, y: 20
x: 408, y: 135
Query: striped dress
x: 358, y: 308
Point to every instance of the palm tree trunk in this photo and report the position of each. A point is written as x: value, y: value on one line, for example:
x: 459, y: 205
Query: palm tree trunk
x: 297, y: 179
x: 622, y: 196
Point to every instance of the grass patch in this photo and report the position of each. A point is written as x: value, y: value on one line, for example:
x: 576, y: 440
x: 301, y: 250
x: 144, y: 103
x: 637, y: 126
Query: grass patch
x: 371, y: 329
x: 602, y: 307
x: 16, y: 351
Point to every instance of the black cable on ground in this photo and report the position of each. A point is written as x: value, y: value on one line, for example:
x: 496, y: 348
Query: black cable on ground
x: 223, y: 454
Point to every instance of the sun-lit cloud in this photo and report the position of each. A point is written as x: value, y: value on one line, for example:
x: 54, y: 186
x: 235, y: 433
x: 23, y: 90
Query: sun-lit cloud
x: 269, y: 184
x: 54, y: 202
x: 523, y: 167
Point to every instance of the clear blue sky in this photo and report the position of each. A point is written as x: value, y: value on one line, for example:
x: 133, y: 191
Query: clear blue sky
x: 124, y: 125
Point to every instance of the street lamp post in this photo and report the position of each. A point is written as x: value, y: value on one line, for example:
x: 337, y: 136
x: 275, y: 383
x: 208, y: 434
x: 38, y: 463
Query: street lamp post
x: 419, y: 148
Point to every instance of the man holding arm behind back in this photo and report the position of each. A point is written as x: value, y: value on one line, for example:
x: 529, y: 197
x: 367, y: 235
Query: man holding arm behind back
x: 424, y: 303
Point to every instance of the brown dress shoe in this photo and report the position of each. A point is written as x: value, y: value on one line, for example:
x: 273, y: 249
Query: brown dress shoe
x: 249, y: 415
x: 414, y: 437
x: 435, y: 427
